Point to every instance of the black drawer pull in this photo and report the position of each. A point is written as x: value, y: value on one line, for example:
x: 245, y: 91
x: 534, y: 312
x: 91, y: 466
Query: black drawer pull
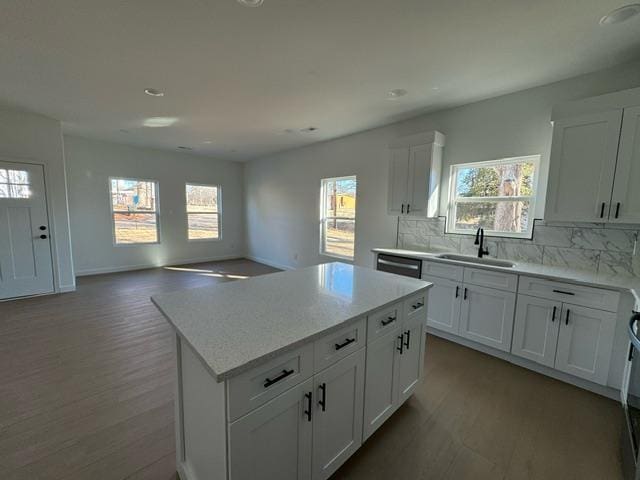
x: 401, y: 347
x: 553, y: 315
x: 270, y: 381
x: 617, y: 209
x: 388, y: 321
x: 323, y: 401
x: 307, y: 412
x: 465, y: 293
x: 416, y: 306
x: 457, y: 291
x: 566, y: 320
x: 348, y: 341
x: 602, y: 210
x: 563, y: 292
x: 406, y: 342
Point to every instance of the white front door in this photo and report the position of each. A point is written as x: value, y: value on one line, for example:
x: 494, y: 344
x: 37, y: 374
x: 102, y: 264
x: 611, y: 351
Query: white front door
x: 25, y: 248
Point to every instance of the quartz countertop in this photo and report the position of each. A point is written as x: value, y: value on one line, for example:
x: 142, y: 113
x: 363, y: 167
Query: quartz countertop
x: 618, y: 282
x: 237, y: 325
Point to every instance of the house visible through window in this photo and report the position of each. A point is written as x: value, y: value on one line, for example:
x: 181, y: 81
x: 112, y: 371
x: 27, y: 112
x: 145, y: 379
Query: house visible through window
x: 14, y: 184
x: 203, y: 212
x: 134, y: 208
x: 338, y: 217
x: 498, y: 196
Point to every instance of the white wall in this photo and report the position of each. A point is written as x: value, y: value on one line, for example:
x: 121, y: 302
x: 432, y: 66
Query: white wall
x: 90, y: 163
x: 282, y: 191
x: 32, y: 138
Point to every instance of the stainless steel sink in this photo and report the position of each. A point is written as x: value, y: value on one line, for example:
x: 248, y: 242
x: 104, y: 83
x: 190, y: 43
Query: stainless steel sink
x: 479, y: 261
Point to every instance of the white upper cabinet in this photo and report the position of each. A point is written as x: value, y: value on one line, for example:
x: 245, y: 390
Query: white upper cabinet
x: 625, y: 201
x: 582, y: 166
x: 414, y: 174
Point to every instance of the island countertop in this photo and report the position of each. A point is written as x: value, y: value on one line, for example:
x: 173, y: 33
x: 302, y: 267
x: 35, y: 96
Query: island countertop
x: 237, y: 325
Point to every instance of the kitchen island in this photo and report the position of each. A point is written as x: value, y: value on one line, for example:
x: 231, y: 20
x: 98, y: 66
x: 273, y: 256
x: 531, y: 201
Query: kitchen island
x: 283, y: 376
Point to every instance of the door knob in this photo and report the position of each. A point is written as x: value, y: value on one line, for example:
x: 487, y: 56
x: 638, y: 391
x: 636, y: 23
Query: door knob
x: 43, y: 237
x: 42, y: 227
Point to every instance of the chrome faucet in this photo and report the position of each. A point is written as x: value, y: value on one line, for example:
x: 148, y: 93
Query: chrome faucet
x: 482, y: 250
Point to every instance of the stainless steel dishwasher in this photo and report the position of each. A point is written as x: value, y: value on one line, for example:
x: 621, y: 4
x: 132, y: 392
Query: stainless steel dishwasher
x: 409, y: 267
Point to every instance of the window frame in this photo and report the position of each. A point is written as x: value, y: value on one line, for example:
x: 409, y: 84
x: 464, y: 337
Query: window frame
x: 533, y: 199
x: 218, y: 213
x: 324, y: 218
x: 156, y: 212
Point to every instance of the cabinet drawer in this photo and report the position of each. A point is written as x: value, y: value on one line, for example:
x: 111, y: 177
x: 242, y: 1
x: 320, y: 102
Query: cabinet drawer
x: 569, y: 293
x: 339, y: 344
x: 416, y: 306
x: 491, y: 279
x: 264, y: 382
x: 443, y: 270
x: 381, y: 322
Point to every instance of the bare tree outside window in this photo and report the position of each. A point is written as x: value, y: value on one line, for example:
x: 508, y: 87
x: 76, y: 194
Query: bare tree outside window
x: 338, y: 217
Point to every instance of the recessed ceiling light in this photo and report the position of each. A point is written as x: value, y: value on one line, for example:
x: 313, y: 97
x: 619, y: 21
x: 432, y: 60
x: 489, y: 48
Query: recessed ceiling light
x: 207, y: 142
x: 156, y: 122
x: 309, y: 129
x: 181, y: 147
x: 396, y: 93
x: 123, y: 130
x: 620, y: 14
x: 251, y: 3
x: 153, y: 92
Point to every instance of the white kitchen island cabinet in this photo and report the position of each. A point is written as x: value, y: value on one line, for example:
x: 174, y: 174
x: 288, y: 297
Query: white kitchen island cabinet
x: 281, y: 376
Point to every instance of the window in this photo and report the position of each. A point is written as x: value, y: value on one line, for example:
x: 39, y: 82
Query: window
x: 338, y: 217
x: 498, y: 196
x: 134, y: 209
x: 203, y: 212
x: 14, y: 184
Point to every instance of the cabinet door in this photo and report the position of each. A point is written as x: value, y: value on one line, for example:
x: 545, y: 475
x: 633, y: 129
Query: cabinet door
x: 445, y: 298
x: 582, y: 165
x: 535, y: 329
x: 398, y: 180
x: 625, y: 202
x: 381, y: 383
x: 411, y: 358
x: 585, y: 342
x: 337, y: 423
x: 274, y: 441
x: 419, y: 180
x: 487, y: 316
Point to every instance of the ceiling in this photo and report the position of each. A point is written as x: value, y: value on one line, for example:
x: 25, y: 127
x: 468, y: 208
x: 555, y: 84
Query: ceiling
x: 239, y: 77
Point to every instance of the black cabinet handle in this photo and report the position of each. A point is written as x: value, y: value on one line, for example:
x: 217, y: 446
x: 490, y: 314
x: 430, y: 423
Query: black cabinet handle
x: 388, y: 321
x: 406, y: 342
x: 402, y: 208
x: 416, y: 306
x: 465, y: 293
x: 270, y: 381
x: 43, y: 227
x: 457, y: 291
x: 630, y: 355
x: 348, y: 341
x: 553, y: 315
x: 401, y: 347
x: 43, y: 237
x: 563, y: 292
x: 408, y: 207
x: 323, y: 400
x: 602, y: 210
x: 566, y: 320
x: 307, y: 412
x: 617, y: 209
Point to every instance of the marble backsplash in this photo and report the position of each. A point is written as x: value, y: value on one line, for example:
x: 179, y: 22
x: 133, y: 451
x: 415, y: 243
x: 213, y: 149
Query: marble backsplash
x: 598, y: 248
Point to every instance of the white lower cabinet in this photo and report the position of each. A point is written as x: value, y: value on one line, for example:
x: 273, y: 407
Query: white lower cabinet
x: 411, y: 355
x: 381, y: 398
x: 275, y: 440
x: 585, y: 342
x: 337, y: 416
x: 487, y: 316
x: 445, y: 300
x: 535, y: 329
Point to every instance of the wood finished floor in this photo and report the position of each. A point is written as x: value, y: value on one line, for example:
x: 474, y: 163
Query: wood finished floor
x: 86, y: 392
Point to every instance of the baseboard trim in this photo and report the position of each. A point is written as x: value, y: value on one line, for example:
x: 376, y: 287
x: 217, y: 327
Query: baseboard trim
x: 269, y: 262
x: 145, y: 266
x: 66, y: 288
x: 605, y: 391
